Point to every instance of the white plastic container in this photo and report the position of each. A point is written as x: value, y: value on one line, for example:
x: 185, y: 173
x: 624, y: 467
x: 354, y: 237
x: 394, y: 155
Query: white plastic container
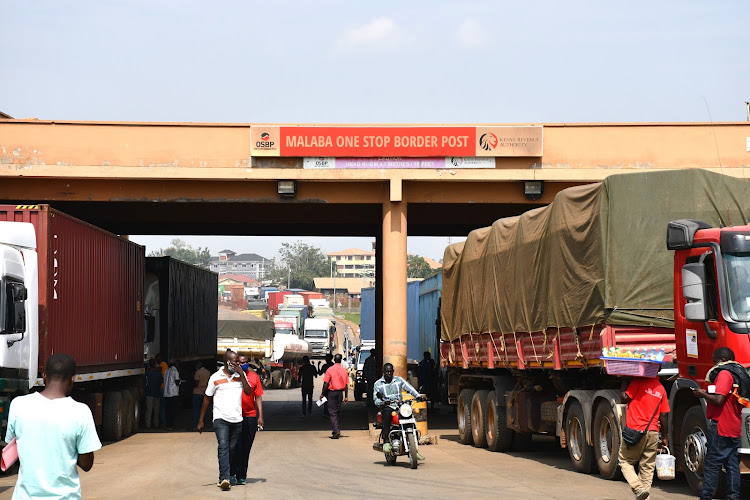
x: 665, y: 464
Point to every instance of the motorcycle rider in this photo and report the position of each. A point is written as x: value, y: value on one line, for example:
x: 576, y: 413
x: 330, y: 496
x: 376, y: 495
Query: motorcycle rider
x: 387, y: 396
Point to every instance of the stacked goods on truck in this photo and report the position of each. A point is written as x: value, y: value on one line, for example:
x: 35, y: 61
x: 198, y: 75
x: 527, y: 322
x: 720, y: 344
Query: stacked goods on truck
x: 529, y: 304
x: 258, y: 308
x: 72, y: 288
x: 180, y: 306
x: 252, y: 337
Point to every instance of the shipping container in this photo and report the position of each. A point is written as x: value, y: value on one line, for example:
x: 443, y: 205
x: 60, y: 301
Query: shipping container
x: 429, y: 314
x: 185, y: 318
x: 293, y: 299
x: 265, y: 290
x: 90, y: 291
x: 367, y: 315
x: 311, y: 295
x: 275, y: 299
x: 413, y: 346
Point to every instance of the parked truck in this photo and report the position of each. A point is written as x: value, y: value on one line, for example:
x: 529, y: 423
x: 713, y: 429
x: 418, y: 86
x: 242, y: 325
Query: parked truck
x: 318, y: 333
x: 529, y: 303
x: 67, y: 286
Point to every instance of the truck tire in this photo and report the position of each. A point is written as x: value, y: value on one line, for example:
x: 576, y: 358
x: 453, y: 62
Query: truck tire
x: 497, y: 434
x: 127, y: 412
x: 479, y: 417
x: 136, y: 410
x: 464, y: 416
x: 277, y: 378
x: 112, y: 416
x: 287, y: 383
x: 581, y: 454
x: 693, y: 438
x: 606, y: 441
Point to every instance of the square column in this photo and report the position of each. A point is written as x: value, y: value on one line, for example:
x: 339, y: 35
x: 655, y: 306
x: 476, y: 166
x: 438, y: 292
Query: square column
x: 394, y: 286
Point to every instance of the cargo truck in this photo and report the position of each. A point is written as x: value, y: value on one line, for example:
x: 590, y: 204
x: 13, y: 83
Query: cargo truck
x: 318, y: 333
x: 69, y: 287
x: 529, y: 303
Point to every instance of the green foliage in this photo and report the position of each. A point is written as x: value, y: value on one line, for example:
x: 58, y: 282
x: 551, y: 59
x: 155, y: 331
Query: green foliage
x: 417, y: 267
x: 300, y: 264
x: 180, y: 250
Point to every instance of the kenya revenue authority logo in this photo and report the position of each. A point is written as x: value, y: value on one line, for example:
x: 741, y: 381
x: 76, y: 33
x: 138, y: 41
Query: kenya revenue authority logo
x: 488, y: 141
x: 457, y: 161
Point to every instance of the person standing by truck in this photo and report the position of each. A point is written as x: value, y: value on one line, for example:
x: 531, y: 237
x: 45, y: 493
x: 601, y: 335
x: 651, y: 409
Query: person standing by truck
x: 307, y: 374
x: 153, y: 394
x: 54, y: 434
x: 645, y: 397
x: 225, y: 388
x: 172, y: 393
x: 723, y: 411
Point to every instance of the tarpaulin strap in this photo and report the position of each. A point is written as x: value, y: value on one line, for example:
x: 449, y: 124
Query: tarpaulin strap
x: 495, y: 346
x: 544, y: 344
x: 577, y: 338
x: 591, y: 335
x: 531, y: 338
x: 552, y: 350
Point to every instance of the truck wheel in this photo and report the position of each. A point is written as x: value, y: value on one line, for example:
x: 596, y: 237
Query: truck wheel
x: 136, y: 410
x: 287, y: 380
x: 464, y: 416
x: 112, y: 416
x: 606, y: 441
x: 479, y: 417
x: 693, y: 439
x: 277, y: 378
x: 581, y: 454
x: 497, y: 434
x: 127, y: 412
x: 265, y: 380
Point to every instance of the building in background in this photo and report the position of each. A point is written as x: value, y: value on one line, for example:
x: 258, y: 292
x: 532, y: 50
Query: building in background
x: 353, y: 262
x: 248, y: 264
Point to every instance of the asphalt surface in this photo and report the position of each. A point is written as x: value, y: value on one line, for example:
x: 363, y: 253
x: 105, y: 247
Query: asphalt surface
x: 294, y: 457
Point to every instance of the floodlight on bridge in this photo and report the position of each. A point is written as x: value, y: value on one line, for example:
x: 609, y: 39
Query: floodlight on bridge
x: 287, y: 189
x: 533, y: 190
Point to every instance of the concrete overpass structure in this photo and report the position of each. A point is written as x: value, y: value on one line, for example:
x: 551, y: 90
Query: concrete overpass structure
x: 223, y: 179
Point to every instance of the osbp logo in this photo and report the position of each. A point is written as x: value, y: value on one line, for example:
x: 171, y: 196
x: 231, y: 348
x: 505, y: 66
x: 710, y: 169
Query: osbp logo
x: 265, y: 141
x: 488, y: 141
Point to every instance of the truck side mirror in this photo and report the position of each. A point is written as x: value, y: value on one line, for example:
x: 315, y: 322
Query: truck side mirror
x: 694, y: 291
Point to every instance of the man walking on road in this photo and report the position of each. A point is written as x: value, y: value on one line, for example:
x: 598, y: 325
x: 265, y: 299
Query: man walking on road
x: 321, y: 371
x: 724, y: 424
x: 54, y: 434
x: 307, y: 374
x: 335, y: 385
x: 368, y: 372
x: 645, y: 398
x: 252, y: 421
x: 225, y: 388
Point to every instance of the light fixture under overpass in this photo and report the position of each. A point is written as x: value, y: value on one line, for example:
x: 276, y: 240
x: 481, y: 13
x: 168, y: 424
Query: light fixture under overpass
x: 287, y: 189
x: 533, y: 190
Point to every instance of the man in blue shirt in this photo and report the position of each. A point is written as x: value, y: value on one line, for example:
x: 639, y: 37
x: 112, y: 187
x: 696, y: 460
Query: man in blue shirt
x: 54, y: 434
x: 387, y: 396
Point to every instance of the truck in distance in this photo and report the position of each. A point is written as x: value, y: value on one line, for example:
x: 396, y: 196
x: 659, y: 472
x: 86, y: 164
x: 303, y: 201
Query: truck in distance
x: 318, y: 333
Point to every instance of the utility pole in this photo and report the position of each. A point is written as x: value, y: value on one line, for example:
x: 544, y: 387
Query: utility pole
x: 335, y: 272
x: 289, y: 278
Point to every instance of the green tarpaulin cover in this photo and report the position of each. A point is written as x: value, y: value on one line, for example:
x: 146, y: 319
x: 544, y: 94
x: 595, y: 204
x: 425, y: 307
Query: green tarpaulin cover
x: 596, y: 255
x: 255, y: 329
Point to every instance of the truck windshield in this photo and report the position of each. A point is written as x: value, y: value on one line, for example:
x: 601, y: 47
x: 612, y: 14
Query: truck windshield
x: 363, y: 355
x: 738, y: 280
x: 316, y: 333
x: 284, y: 330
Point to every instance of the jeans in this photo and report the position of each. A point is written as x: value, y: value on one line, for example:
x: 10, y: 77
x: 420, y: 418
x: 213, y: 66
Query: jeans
x: 228, y: 435
x: 307, y: 397
x: 173, y: 406
x: 722, y: 450
x: 249, y: 428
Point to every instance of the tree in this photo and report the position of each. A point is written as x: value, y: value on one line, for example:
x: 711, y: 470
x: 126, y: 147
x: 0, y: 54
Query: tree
x: 417, y: 267
x: 300, y: 264
x: 180, y: 250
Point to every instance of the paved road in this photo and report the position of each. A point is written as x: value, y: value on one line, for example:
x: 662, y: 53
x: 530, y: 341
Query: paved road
x: 293, y: 457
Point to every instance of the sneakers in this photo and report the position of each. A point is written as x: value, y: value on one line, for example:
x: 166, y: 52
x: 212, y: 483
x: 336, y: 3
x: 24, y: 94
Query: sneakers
x: 336, y: 435
x: 232, y: 480
x: 387, y: 448
x: 643, y: 495
x: 241, y: 482
x: 224, y: 484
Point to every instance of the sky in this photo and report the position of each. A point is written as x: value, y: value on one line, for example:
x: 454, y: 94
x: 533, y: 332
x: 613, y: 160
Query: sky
x: 374, y: 62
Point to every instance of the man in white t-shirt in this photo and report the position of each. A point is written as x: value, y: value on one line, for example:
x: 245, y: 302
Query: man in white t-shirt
x: 225, y: 387
x: 53, y: 433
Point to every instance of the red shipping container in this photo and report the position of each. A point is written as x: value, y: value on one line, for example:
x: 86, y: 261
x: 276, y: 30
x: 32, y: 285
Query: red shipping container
x: 311, y: 295
x: 90, y: 291
x: 275, y: 299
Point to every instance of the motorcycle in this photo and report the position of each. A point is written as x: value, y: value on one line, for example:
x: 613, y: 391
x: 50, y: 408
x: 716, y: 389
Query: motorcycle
x: 403, y: 436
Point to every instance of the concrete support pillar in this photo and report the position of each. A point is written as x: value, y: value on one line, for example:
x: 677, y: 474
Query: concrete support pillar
x: 394, y: 286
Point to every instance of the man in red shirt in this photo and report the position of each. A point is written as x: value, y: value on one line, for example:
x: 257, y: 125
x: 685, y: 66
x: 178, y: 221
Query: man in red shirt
x: 723, y: 412
x: 335, y: 385
x: 252, y: 420
x: 645, y: 398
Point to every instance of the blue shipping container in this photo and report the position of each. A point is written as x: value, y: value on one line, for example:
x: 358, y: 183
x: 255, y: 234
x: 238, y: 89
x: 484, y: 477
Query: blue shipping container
x: 429, y: 314
x: 414, y: 348
x: 367, y: 314
x: 264, y: 291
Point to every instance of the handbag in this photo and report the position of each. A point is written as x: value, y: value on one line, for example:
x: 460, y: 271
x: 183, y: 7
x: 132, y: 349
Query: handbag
x: 632, y: 437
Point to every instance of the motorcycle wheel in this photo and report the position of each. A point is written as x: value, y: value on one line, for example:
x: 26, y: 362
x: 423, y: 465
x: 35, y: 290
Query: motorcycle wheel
x: 390, y: 458
x: 412, y: 439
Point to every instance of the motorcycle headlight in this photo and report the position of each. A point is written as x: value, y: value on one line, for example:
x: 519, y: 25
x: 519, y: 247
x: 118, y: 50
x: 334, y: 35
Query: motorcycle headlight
x: 405, y: 410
